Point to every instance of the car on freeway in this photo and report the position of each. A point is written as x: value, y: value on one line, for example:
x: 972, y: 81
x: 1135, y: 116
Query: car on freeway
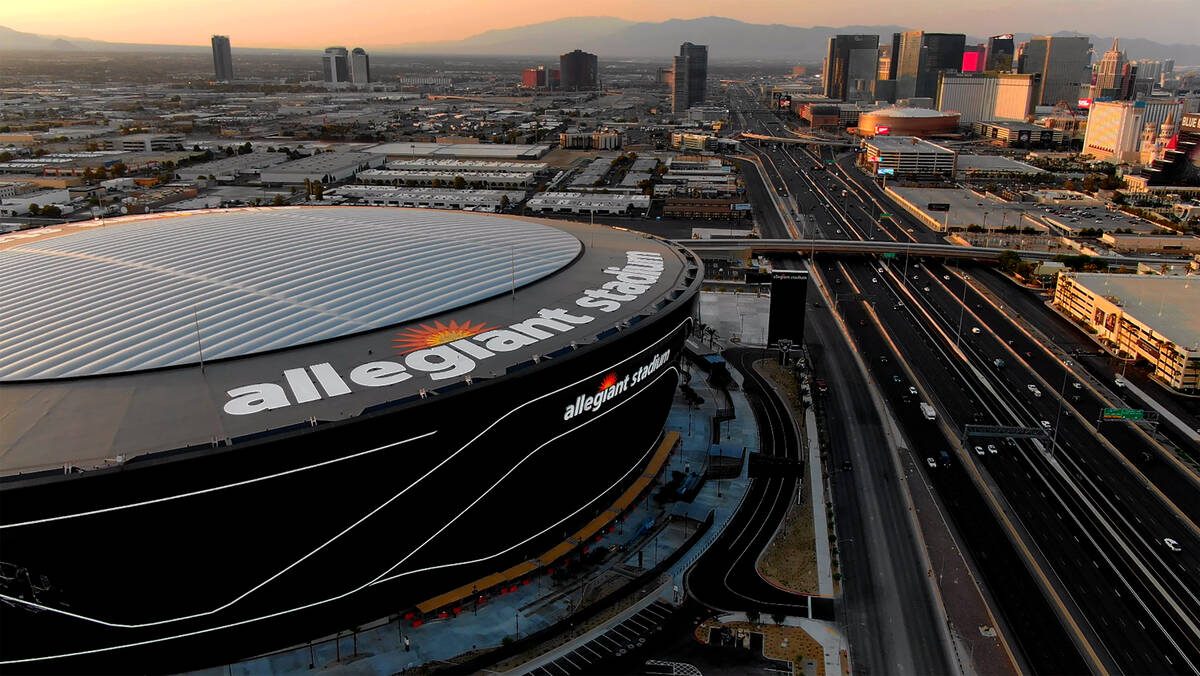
x: 912, y: 390
x: 946, y: 277
x: 1046, y: 424
x: 979, y: 450
x: 931, y: 462
x: 1118, y: 382
x: 875, y: 280
x: 883, y: 359
x: 1077, y: 385
x: 1172, y: 544
x: 927, y: 289
x: 847, y: 465
x: 1033, y: 390
x: 822, y: 387
x: 992, y: 449
x: 895, y: 379
x: 975, y: 330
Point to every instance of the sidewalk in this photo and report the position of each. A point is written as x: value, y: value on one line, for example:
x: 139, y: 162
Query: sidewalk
x: 380, y: 648
x: 817, y: 494
x: 1163, y: 412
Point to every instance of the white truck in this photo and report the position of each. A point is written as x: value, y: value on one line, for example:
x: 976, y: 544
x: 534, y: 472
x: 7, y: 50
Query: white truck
x: 928, y: 412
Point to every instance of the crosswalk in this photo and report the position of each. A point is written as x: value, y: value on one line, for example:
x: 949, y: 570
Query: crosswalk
x: 616, y: 642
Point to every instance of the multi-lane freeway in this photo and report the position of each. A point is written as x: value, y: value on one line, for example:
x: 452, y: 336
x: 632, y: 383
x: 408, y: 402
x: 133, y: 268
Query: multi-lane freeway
x: 1076, y: 562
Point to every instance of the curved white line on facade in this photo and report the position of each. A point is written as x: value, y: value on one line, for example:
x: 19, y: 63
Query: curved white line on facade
x: 314, y: 604
x: 202, y: 491
x: 369, y: 514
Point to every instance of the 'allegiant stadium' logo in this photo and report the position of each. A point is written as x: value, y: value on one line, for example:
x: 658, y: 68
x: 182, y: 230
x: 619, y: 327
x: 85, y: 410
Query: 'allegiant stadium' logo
x: 439, y: 351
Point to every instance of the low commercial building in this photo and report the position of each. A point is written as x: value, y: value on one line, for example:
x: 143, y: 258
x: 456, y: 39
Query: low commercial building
x: 585, y: 203
x: 155, y: 199
x: 993, y: 167
x: 144, y: 142
x: 689, y: 141
x: 908, y: 156
x: 427, y: 164
x: 323, y: 167
x: 575, y: 139
x: 509, y: 151
x: 432, y: 198
x: 948, y: 209
x: 1142, y: 316
x: 438, y: 178
x: 1138, y: 243
x: 707, y: 209
x: 230, y: 169
x: 1018, y: 134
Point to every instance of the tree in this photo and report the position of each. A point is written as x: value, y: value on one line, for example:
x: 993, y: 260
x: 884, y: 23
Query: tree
x: 318, y: 190
x: 1069, y: 185
x: 437, y: 182
x: 459, y: 183
x: 278, y: 201
x: 34, y: 209
x: 51, y: 211
x: 119, y: 169
x: 1089, y: 183
x: 1009, y: 260
x: 247, y: 147
x: 504, y: 202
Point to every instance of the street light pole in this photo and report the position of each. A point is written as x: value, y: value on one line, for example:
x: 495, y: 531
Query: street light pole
x: 1058, y: 418
x: 962, y: 310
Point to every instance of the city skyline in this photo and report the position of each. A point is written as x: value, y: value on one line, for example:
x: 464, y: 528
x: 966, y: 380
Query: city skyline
x: 266, y: 25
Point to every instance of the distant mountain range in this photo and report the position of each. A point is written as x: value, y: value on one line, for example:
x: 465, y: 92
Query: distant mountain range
x: 612, y: 38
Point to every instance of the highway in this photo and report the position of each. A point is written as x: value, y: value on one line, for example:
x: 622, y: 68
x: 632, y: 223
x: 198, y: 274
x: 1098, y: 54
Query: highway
x: 887, y: 607
x: 1093, y: 517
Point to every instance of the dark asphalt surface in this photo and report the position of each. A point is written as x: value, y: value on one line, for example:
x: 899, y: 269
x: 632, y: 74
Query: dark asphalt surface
x: 726, y: 578
x: 886, y: 607
x: 1086, y: 529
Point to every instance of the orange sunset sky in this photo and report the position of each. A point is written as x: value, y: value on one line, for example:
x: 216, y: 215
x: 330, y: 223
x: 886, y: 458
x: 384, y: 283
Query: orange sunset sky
x: 373, y: 23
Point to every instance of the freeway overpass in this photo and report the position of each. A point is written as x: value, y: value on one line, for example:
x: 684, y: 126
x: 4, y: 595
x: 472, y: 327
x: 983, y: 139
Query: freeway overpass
x: 798, y: 140
x: 741, y: 247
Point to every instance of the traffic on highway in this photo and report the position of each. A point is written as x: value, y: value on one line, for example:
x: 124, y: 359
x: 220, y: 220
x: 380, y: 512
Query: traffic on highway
x: 1083, y: 532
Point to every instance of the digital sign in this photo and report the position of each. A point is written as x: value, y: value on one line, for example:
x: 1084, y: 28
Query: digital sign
x: 885, y: 171
x: 1085, y: 103
x: 882, y: 129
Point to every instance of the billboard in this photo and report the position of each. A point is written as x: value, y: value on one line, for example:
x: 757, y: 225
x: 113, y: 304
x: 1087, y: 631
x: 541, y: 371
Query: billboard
x: 1084, y: 104
x: 882, y: 129
x: 786, y: 315
x: 740, y: 206
x: 938, y: 206
x: 885, y: 171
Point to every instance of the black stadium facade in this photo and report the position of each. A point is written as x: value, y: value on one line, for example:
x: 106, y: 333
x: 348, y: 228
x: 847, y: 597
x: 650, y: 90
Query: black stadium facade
x: 224, y: 433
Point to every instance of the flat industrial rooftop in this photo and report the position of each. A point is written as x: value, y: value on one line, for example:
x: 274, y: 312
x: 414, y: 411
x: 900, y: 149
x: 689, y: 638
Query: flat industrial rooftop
x: 1170, y: 305
x: 132, y: 338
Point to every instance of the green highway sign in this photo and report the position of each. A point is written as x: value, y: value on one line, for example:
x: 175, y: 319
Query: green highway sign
x: 828, y: 161
x: 889, y: 254
x: 885, y: 215
x: 1123, y: 414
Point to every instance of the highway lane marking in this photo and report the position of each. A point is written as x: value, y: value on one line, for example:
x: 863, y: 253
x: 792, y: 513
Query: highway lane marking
x: 997, y: 509
x: 1112, y: 535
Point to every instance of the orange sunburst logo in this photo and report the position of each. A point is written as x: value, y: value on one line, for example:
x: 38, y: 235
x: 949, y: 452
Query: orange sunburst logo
x: 609, y: 381
x: 425, y: 335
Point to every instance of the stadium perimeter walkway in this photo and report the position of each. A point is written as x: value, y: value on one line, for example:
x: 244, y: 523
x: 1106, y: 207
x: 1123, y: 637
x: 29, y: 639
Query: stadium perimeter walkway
x: 381, y: 649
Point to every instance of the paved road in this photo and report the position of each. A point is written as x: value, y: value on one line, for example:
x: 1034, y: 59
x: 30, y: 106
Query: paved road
x: 886, y: 608
x: 726, y: 578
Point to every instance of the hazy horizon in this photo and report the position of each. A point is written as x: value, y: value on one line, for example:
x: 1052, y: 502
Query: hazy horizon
x: 307, y: 24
